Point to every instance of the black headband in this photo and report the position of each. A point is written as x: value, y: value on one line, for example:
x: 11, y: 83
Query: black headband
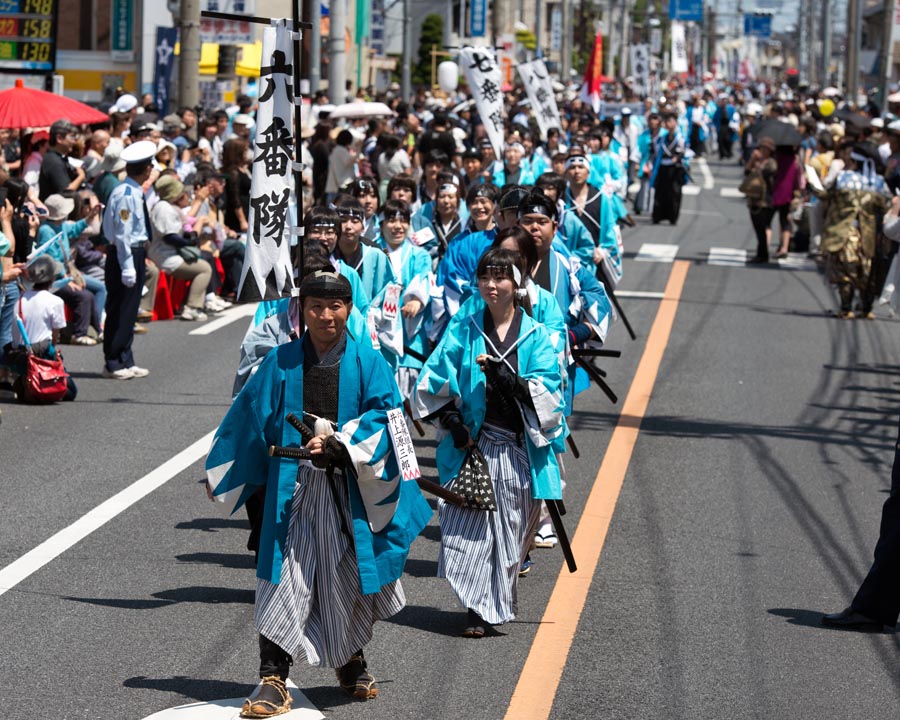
x: 324, y: 284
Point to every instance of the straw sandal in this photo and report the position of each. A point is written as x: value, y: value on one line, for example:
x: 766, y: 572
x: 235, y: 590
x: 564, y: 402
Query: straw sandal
x: 356, y: 680
x: 272, y: 699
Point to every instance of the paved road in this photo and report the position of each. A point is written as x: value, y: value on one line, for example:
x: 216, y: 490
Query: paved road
x: 750, y: 505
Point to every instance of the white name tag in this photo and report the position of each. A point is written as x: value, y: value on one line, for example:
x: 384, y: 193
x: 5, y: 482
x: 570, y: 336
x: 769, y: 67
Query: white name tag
x: 420, y: 237
x: 403, y: 445
x: 391, y: 303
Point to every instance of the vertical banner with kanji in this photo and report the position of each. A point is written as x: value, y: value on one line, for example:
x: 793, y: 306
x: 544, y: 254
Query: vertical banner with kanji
x: 166, y: 38
x: 268, y: 273
x: 540, y: 92
x: 679, y: 48
x: 640, y: 69
x: 482, y: 73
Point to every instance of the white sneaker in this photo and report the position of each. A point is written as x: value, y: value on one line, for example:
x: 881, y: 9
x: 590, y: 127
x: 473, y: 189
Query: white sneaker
x: 222, y: 302
x: 120, y: 374
x: 138, y: 371
x: 212, y: 308
x: 190, y: 313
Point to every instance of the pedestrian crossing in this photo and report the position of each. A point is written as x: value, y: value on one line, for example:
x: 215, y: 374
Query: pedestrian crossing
x: 723, y: 257
x: 725, y: 192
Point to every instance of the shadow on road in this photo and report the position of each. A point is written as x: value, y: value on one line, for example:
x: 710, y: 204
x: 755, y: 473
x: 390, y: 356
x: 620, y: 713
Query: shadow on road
x: 226, y: 560
x: 164, y: 598
x: 198, y: 689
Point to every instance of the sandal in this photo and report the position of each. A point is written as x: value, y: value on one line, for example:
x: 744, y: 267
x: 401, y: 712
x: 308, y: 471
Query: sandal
x: 356, y: 680
x: 272, y: 699
x: 474, y: 631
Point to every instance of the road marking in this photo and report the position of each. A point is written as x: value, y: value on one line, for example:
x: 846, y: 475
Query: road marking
x: 539, y: 680
x: 797, y: 261
x: 50, y: 549
x: 707, y: 175
x: 729, y: 192
x: 727, y: 256
x: 229, y: 709
x: 640, y: 294
x: 690, y: 190
x: 654, y: 252
x: 225, y: 318
x: 705, y: 213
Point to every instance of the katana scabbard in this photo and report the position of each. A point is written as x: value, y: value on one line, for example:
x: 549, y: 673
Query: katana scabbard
x: 560, y: 530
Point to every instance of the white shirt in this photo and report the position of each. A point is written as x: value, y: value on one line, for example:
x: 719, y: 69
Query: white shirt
x: 42, y: 313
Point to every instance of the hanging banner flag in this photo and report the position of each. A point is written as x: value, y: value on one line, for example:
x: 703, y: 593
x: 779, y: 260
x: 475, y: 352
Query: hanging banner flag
x: 162, y: 73
x: 540, y: 92
x: 640, y: 69
x: 268, y: 273
x: 679, y: 48
x: 482, y: 73
x: 592, y: 88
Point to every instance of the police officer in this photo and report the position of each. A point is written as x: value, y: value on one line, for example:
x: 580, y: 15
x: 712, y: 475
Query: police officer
x: 126, y: 225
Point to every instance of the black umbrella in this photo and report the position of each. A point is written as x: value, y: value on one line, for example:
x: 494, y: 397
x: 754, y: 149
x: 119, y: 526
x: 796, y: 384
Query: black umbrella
x: 782, y: 133
x: 853, y: 119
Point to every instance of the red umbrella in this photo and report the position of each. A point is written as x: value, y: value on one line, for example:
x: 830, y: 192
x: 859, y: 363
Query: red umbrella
x: 22, y: 107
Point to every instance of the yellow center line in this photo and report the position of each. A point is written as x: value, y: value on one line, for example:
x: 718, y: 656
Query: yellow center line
x: 539, y: 680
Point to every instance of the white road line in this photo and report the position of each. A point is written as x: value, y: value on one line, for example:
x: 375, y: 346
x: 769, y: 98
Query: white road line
x: 640, y: 294
x: 729, y: 192
x: 652, y: 252
x: 229, y: 709
x: 727, y: 256
x: 50, y: 549
x: 797, y: 261
x: 225, y: 318
x: 690, y: 190
x: 707, y: 175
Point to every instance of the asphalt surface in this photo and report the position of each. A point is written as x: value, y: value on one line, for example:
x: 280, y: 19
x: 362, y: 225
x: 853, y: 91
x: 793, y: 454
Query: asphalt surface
x: 751, y: 506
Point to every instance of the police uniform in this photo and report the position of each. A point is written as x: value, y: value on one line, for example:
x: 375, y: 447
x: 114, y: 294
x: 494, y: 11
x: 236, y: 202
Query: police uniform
x: 126, y: 225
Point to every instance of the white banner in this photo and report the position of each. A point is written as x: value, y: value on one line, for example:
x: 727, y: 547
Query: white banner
x: 540, y: 92
x: 679, y: 48
x: 483, y: 76
x: 640, y: 69
x: 268, y: 273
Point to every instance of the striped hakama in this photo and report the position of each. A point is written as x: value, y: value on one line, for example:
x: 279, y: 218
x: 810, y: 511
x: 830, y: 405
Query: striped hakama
x: 317, y: 611
x: 482, y: 552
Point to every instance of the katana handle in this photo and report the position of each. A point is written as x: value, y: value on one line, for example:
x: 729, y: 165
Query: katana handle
x: 596, y: 352
x: 595, y: 376
x: 294, y: 453
x: 300, y: 426
x: 440, y: 491
x: 573, y: 447
x: 559, y: 528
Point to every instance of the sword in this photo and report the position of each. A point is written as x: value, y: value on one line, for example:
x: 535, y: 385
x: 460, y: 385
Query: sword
x: 596, y: 352
x: 611, y: 294
x: 595, y: 376
x: 556, y: 511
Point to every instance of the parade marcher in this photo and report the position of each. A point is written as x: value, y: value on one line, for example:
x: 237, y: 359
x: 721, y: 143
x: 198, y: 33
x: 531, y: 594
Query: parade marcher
x: 369, y: 262
x: 668, y: 171
x: 447, y: 222
x: 494, y: 381
x: 335, y: 534
x: 513, y: 171
x: 126, y: 226
x: 365, y: 189
x: 572, y: 232
x: 759, y: 176
x: 877, y: 602
x: 724, y: 121
x: 398, y: 313
x: 646, y: 149
x: 787, y: 183
x: 473, y: 174
x: 626, y: 134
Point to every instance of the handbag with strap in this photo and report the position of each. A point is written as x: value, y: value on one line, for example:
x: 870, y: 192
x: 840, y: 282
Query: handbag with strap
x: 189, y: 253
x: 44, y: 381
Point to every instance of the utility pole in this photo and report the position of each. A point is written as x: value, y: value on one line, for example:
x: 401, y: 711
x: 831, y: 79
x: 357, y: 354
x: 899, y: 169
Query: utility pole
x: 448, y: 21
x: 812, y: 64
x: 315, y: 47
x: 406, y: 68
x: 337, y: 52
x: 826, y: 43
x: 887, y: 53
x: 623, y: 42
x: 565, y: 45
x: 189, y: 63
x: 854, y: 17
x: 610, y: 46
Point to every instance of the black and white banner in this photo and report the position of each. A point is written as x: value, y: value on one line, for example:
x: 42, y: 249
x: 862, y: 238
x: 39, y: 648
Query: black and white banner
x: 479, y: 65
x: 640, y: 69
x: 166, y: 38
x: 268, y: 273
x: 540, y: 92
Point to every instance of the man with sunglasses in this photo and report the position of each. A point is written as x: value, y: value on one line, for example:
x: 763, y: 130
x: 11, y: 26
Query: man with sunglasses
x: 57, y: 173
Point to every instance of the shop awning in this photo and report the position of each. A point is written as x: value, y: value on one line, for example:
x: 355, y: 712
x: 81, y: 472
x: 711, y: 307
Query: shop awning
x: 248, y: 59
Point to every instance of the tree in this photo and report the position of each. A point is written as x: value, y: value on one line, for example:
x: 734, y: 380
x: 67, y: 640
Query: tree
x: 432, y: 36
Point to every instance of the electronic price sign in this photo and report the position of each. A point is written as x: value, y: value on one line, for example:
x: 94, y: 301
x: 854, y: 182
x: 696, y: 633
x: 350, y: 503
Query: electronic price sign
x: 28, y: 35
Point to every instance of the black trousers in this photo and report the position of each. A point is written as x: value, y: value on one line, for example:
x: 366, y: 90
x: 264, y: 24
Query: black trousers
x: 879, y: 595
x: 272, y: 659
x: 122, y: 305
x: 81, y: 305
x: 762, y: 220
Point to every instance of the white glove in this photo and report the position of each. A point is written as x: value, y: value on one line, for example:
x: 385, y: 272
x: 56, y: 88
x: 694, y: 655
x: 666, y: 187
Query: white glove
x: 129, y: 277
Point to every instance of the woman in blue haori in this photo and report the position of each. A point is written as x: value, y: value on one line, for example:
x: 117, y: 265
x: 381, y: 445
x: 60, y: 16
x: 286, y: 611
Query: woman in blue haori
x: 513, y: 171
x: 336, y: 531
x: 371, y: 264
x: 571, y: 231
x: 444, y: 218
x: 494, y: 380
x: 397, y: 315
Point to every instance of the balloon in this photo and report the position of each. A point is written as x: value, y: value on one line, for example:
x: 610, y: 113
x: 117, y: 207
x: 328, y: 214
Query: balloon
x: 448, y: 76
x: 826, y: 107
